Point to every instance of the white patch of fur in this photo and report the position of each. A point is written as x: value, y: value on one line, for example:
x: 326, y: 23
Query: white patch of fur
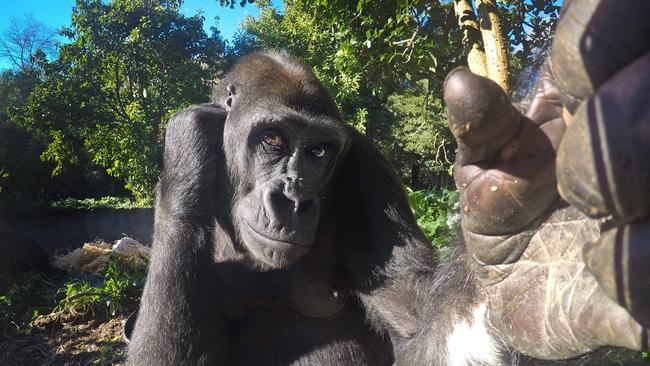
x: 471, y: 344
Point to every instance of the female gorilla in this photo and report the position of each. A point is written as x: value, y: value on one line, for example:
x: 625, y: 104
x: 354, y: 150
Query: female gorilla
x: 283, y: 237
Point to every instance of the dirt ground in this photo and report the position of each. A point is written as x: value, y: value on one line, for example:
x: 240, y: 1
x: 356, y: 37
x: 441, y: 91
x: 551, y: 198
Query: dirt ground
x: 80, y: 342
x: 70, y: 342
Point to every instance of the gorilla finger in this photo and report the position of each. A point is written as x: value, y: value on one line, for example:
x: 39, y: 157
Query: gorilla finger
x: 594, y: 40
x: 619, y: 261
x: 543, y: 103
x: 480, y: 115
x: 602, y: 161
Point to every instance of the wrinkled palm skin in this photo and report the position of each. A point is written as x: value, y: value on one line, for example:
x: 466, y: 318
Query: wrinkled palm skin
x: 564, y: 273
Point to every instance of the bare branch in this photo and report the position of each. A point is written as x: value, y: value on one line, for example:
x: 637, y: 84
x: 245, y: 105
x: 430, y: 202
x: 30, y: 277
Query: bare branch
x: 23, y: 39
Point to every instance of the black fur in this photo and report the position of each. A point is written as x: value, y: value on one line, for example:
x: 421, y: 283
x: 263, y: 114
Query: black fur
x: 359, y: 284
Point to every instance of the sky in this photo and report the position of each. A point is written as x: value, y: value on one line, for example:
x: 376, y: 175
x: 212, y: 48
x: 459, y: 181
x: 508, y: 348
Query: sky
x: 56, y: 13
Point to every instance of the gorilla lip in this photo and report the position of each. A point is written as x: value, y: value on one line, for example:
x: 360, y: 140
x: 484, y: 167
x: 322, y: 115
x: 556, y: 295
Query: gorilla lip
x: 272, y: 241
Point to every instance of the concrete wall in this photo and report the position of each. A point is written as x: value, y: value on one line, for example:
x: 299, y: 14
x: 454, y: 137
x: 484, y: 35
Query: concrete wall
x: 56, y: 230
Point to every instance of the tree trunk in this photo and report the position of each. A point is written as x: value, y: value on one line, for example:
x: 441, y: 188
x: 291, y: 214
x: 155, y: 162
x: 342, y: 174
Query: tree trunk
x: 494, y: 43
x: 471, y: 37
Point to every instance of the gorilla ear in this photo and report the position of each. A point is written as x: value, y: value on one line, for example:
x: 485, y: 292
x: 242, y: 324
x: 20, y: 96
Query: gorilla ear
x: 231, y: 95
x: 373, y: 214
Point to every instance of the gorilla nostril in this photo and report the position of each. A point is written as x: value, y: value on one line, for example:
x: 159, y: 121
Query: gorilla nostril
x: 303, y: 206
x: 298, y: 201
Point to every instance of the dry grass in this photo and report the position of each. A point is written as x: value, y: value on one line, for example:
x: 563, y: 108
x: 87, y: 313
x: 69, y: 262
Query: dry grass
x: 55, y: 341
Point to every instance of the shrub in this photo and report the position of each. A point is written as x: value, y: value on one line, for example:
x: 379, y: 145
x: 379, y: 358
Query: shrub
x: 25, y: 300
x: 117, y: 289
x: 91, y: 203
x: 436, y: 212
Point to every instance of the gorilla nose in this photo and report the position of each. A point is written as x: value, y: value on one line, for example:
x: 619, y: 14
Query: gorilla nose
x: 295, y: 192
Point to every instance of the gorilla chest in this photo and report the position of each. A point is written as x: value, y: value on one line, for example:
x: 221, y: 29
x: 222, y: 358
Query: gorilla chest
x: 294, y: 318
x: 283, y: 336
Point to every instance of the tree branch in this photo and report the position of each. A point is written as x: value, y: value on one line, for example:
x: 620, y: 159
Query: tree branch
x: 471, y: 37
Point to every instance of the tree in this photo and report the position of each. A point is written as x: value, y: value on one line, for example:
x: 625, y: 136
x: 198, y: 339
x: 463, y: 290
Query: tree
x: 231, y: 3
x: 25, y: 41
x: 19, y: 153
x: 23, y: 176
x: 494, y: 63
x: 472, y: 39
x: 129, y: 65
x: 24, y: 44
x: 530, y: 26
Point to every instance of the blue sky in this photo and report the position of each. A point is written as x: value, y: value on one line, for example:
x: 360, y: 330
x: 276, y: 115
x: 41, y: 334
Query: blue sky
x: 56, y: 13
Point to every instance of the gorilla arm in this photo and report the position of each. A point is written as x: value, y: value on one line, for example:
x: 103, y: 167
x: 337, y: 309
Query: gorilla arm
x: 526, y: 242
x: 178, y: 310
x: 545, y: 297
x: 396, y: 272
x: 601, y: 163
x: 602, y: 55
x: 523, y: 284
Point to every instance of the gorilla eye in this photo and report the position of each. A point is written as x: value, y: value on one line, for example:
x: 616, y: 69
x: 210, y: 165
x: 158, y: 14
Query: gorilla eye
x: 317, y: 151
x: 272, y: 138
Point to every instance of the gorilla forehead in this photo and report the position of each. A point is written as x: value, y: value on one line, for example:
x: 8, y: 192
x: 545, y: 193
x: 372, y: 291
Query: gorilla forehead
x: 279, y: 79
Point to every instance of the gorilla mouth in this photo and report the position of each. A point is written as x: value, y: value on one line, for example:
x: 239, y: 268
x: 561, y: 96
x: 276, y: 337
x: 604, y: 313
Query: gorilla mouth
x: 274, y: 242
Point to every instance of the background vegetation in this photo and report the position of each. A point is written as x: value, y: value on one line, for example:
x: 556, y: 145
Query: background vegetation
x: 85, y: 118
x: 82, y: 120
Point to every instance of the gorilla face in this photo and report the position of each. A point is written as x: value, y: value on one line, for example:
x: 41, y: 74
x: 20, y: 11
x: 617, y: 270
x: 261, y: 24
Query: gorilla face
x: 283, y: 151
x: 288, y: 162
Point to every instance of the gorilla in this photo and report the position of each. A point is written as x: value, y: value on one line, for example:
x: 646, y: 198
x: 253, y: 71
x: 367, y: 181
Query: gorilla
x: 282, y: 236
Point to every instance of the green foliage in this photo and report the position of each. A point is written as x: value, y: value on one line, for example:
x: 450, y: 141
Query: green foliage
x: 231, y: 3
x: 118, y: 288
x: 129, y: 64
x: 115, y: 291
x: 384, y: 41
x: 24, y: 301
x: 91, y: 203
x: 360, y: 120
x: 3, y: 176
x: 20, y: 167
x: 421, y: 138
x: 24, y: 178
x: 298, y: 32
x: 530, y: 26
x: 436, y: 212
x: 355, y: 47
x: 78, y: 296
x: 127, y: 67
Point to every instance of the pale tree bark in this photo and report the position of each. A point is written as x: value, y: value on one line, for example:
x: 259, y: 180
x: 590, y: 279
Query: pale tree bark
x: 471, y: 37
x: 494, y: 42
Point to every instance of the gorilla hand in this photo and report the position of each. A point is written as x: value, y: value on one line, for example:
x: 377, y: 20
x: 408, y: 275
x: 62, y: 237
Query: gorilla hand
x: 527, y: 243
x: 601, y: 61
